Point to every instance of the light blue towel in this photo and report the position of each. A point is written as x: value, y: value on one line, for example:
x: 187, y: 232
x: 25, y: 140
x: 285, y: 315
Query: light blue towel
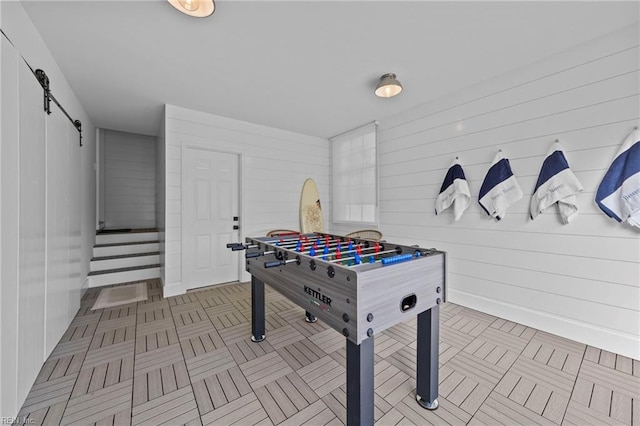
x: 619, y: 192
x: 454, y: 192
x: 499, y: 189
x: 556, y: 184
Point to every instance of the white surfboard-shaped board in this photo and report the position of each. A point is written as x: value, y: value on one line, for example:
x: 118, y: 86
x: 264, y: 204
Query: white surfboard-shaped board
x: 310, y: 208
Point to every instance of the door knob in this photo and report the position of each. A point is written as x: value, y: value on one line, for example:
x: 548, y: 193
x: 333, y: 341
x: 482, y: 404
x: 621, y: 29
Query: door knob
x: 236, y: 227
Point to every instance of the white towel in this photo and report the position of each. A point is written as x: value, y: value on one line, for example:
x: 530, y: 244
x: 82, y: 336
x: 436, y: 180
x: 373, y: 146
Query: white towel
x: 454, y: 192
x: 619, y: 192
x: 499, y: 189
x: 556, y: 184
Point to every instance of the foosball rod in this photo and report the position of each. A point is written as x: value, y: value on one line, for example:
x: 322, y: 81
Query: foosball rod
x: 276, y: 263
x: 319, y: 247
x: 301, y: 236
x: 355, y: 250
x: 332, y: 250
x: 292, y: 249
x: 334, y: 243
x: 268, y: 252
x: 345, y: 252
x: 312, y: 239
x: 241, y: 246
x: 353, y: 257
x: 293, y: 243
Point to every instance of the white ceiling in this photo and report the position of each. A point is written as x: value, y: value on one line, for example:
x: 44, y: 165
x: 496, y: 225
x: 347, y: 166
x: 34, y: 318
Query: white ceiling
x: 308, y: 67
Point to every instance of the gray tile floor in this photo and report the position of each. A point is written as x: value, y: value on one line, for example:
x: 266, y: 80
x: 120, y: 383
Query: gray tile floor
x: 189, y: 360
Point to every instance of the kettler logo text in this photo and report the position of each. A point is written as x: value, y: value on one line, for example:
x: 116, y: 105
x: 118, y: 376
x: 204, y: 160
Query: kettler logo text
x: 321, y: 297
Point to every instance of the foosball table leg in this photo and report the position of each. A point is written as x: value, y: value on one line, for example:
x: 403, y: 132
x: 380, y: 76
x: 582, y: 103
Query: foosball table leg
x: 427, y: 359
x: 257, y: 310
x: 360, y: 383
x: 309, y: 317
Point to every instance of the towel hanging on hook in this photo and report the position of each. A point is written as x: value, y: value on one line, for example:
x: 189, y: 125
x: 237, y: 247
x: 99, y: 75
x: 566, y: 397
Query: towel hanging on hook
x: 556, y: 184
x: 619, y: 192
x: 500, y: 188
x: 454, y: 191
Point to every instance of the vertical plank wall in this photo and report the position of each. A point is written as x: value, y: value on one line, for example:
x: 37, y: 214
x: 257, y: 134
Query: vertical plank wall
x: 2, y: 42
x: 580, y: 280
x: 32, y: 231
x: 41, y: 229
x: 161, y: 202
x: 9, y: 232
x: 130, y: 180
x: 62, y: 299
x: 100, y: 178
x: 48, y: 213
x: 274, y: 165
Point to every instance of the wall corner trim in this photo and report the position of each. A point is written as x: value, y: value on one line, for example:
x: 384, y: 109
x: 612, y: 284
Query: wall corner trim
x: 172, y: 289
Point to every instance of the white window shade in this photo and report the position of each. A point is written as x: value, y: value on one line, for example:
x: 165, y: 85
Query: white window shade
x: 355, y: 176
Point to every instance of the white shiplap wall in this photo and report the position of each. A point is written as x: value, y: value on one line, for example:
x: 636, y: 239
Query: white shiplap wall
x: 130, y: 180
x: 161, y: 202
x: 48, y: 211
x: 275, y: 164
x: 581, y: 280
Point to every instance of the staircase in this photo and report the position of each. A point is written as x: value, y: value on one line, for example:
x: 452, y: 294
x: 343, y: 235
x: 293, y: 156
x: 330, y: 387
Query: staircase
x: 124, y: 255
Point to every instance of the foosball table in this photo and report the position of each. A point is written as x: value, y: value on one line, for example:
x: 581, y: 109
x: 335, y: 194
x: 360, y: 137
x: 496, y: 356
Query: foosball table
x: 359, y: 288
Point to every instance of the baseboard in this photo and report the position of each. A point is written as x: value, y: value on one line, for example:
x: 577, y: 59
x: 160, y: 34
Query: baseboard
x: 172, y: 289
x: 84, y: 287
x: 599, y: 337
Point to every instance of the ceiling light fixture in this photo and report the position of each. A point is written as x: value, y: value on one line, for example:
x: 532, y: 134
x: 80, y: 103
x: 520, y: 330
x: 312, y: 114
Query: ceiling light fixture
x: 197, y: 8
x: 388, y: 86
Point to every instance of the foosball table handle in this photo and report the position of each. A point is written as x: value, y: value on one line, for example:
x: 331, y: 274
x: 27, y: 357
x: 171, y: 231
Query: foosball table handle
x: 281, y: 262
x: 274, y: 264
x: 236, y: 246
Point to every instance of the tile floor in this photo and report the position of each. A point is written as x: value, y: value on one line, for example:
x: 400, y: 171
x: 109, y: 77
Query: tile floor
x: 189, y: 360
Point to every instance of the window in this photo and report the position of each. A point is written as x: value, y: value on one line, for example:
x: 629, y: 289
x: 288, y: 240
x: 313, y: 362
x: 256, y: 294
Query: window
x: 355, y: 176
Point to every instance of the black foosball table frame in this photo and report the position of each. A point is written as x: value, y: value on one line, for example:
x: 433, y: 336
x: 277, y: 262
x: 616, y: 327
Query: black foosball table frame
x: 359, y: 296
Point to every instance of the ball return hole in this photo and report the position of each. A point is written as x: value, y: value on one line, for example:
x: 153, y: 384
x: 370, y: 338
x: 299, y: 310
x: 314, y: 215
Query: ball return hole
x: 408, y: 302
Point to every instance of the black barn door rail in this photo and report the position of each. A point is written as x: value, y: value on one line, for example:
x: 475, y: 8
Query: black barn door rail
x: 42, y: 78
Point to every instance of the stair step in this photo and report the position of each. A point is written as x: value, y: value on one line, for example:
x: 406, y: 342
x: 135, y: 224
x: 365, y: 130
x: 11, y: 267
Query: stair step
x: 125, y: 231
x: 105, y: 250
x: 129, y: 260
x: 125, y: 237
x: 131, y: 268
x: 123, y: 275
x: 124, y: 256
x: 127, y: 244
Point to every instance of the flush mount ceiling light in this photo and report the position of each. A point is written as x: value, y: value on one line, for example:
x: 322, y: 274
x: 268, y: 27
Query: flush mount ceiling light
x: 388, y: 86
x: 197, y: 8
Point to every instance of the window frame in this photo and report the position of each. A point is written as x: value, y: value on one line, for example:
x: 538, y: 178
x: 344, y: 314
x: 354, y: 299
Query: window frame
x: 349, y: 136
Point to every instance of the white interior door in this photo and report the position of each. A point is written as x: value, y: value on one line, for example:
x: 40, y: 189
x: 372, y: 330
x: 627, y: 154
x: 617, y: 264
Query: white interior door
x: 209, y: 215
